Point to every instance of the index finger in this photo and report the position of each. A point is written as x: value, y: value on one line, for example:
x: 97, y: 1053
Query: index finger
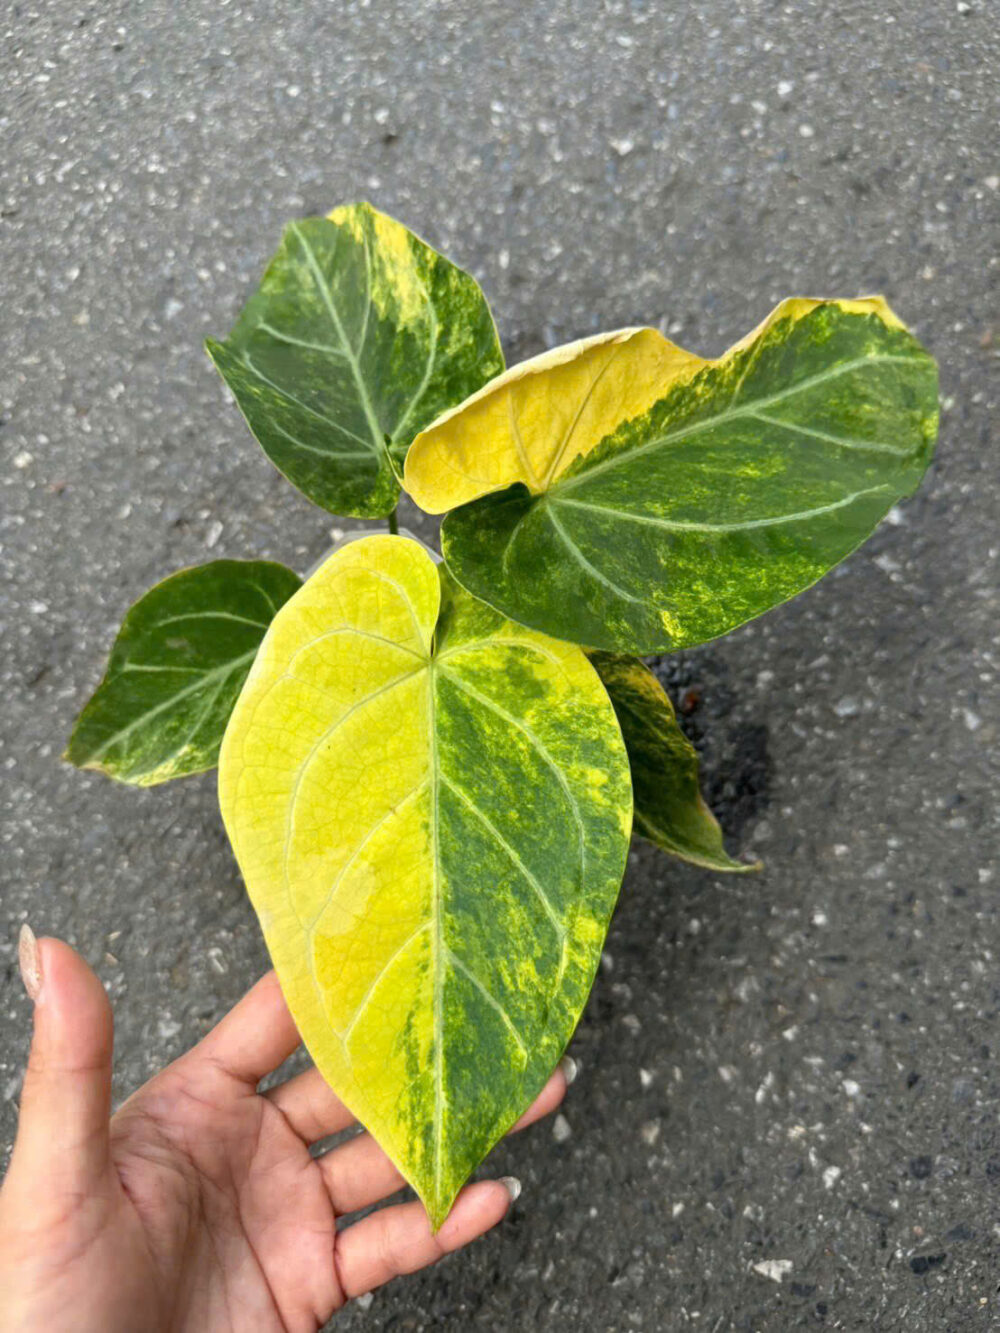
x: 255, y: 1036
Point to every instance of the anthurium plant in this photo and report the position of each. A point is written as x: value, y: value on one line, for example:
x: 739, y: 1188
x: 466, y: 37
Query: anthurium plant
x: 430, y: 769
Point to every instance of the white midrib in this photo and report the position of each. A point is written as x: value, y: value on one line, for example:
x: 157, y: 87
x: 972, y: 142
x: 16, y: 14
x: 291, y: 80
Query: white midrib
x: 439, y: 941
x: 215, y: 674
x: 349, y: 354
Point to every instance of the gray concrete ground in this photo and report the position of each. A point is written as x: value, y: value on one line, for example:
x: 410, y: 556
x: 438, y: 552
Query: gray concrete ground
x: 788, y: 1111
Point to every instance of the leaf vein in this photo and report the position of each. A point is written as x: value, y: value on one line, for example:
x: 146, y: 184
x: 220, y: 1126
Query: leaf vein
x: 224, y: 670
x: 683, y: 525
x: 512, y: 854
x: 389, y: 814
x: 537, y: 745
x: 211, y: 615
x: 729, y: 414
x: 586, y: 564
x: 301, y: 402
x: 842, y: 441
x: 490, y: 998
x: 324, y: 291
x: 299, y: 342
x: 363, y: 1004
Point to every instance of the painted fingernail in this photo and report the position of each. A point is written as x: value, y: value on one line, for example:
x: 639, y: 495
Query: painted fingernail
x: 512, y: 1185
x: 29, y: 961
x: 570, y: 1069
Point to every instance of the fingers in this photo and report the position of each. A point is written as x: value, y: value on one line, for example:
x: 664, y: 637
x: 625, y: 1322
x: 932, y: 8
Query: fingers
x: 310, y: 1106
x: 254, y: 1037
x: 359, y: 1173
x: 399, y: 1240
x: 62, y: 1136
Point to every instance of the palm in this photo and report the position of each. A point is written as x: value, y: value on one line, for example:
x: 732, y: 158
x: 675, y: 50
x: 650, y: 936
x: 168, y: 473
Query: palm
x: 203, y: 1208
x: 238, y: 1214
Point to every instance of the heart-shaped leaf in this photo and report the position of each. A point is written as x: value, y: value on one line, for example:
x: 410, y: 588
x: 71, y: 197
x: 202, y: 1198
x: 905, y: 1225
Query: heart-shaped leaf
x: 656, y: 500
x: 359, y: 335
x: 431, y: 809
x: 176, y: 669
x: 669, y: 807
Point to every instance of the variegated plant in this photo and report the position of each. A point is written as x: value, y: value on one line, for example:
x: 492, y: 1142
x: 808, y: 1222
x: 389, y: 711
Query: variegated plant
x: 429, y: 771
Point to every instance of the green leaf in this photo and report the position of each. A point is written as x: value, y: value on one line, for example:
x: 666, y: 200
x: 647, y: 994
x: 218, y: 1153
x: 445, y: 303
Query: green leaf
x: 669, y: 808
x: 359, y: 335
x: 431, y: 809
x: 651, y: 528
x: 177, y: 666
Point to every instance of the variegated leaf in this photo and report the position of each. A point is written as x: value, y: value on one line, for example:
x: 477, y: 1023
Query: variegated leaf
x: 669, y: 807
x: 431, y: 808
x: 654, y: 499
x: 176, y: 669
x: 359, y: 335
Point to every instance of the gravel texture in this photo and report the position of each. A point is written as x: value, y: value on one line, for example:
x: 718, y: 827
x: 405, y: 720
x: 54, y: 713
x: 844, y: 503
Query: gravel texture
x: 787, y: 1115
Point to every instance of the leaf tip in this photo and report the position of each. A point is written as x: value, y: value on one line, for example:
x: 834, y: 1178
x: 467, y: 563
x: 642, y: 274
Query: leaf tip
x: 747, y: 867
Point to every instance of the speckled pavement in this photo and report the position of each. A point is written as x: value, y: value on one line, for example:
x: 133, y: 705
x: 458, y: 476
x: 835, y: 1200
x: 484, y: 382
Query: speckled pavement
x: 787, y: 1115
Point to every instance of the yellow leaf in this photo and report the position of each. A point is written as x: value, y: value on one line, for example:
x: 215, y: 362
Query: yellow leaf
x: 431, y: 808
x: 533, y: 421
x: 629, y: 496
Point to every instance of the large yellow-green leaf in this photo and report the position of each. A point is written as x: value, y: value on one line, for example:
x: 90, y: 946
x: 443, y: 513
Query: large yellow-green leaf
x: 669, y: 807
x: 176, y: 669
x: 359, y: 335
x: 654, y: 499
x: 431, y: 808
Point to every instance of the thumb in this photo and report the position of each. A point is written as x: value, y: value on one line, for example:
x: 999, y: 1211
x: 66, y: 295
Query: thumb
x: 62, y: 1135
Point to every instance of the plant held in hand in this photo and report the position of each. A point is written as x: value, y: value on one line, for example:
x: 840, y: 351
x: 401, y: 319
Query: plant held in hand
x: 430, y: 772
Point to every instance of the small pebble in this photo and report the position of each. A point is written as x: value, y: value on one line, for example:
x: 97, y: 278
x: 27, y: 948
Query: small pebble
x: 775, y: 1269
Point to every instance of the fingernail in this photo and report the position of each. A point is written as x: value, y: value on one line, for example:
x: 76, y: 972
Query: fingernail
x: 29, y: 961
x: 512, y: 1185
x: 570, y: 1069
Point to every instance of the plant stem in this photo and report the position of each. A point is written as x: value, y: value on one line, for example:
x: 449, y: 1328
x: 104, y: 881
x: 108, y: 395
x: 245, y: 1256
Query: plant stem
x: 393, y: 523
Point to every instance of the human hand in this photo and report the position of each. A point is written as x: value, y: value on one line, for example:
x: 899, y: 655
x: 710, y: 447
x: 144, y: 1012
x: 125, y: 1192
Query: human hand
x: 198, y: 1206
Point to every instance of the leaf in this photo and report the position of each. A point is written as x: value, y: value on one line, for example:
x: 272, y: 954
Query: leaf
x: 656, y: 500
x: 431, y: 809
x: 359, y: 335
x: 176, y: 668
x: 669, y: 808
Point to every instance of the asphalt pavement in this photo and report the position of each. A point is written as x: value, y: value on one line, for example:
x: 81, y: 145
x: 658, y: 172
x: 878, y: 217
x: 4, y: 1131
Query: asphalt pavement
x: 787, y: 1115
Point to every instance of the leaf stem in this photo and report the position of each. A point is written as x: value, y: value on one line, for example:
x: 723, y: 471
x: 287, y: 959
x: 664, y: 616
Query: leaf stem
x: 394, y: 523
